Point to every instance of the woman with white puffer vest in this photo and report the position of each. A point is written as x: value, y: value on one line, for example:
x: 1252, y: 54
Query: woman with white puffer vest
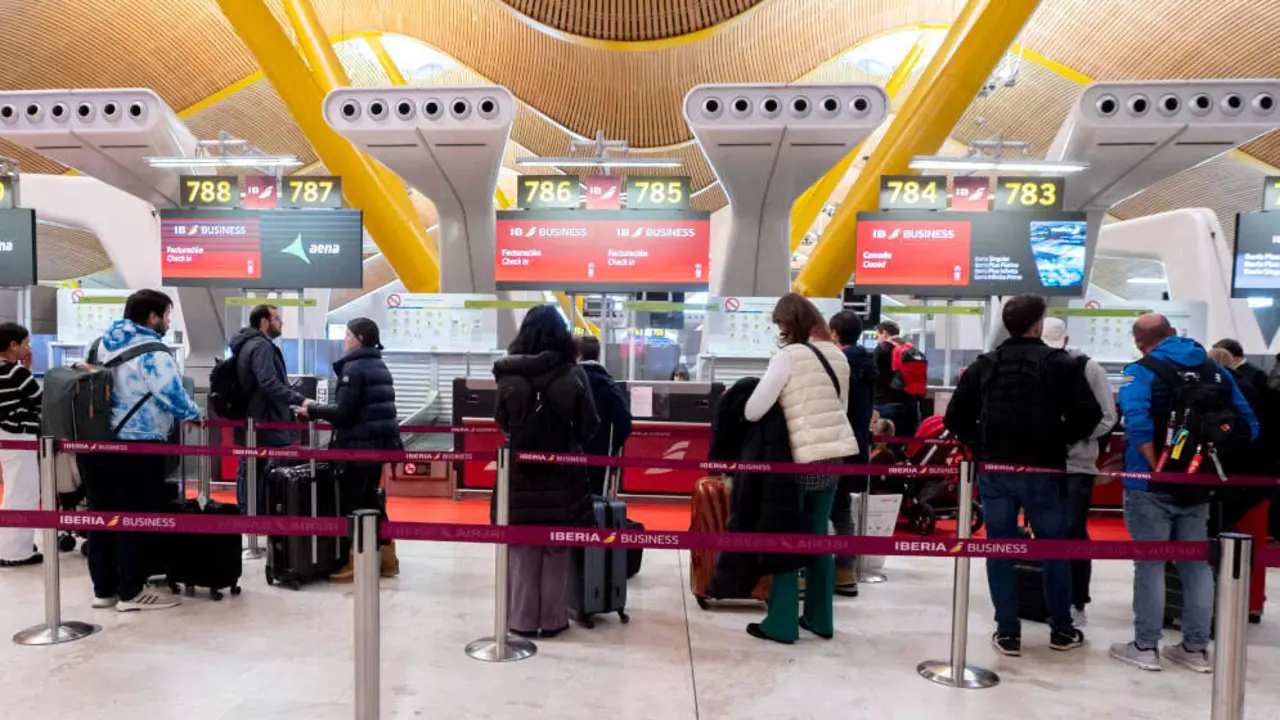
x: 809, y: 379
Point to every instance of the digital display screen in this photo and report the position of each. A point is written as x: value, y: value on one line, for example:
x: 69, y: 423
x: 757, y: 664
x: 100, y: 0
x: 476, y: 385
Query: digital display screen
x: 971, y: 254
x: 17, y: 247
x: 586, y: 250
x: 1256, y: 269
x: 262, y: 249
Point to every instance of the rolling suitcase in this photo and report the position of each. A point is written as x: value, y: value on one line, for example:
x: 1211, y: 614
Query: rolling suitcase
x: 309, y: 490
x: 598, y: 576
x: 1028, y: 579
x: 709, y: 509
x: 205, y: 561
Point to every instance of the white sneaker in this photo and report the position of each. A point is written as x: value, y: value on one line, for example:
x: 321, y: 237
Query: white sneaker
x: 1196, y: 660
x: 149, y: 600
x: 1130, y: 654
x: 1079, y: 617
x: 105, y: 603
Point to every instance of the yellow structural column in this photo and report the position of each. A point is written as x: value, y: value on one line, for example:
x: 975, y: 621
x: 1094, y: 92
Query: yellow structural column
x: 807, y: 206
x: 395, y: 227
x: 972, y: 48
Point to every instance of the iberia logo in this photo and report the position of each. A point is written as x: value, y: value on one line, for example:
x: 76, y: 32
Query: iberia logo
x: 677, y: 451
x: 611, y: 538
x: 113, y: 521
x: 957, y: 547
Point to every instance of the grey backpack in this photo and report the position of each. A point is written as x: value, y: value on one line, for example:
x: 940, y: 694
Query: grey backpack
x: 77, y: 400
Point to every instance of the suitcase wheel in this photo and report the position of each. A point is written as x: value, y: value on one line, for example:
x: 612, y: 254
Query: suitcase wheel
x: 235, y: 590
x: 925, y: 520
x: 588, y: 623
x: 176, y: 589
x: 702, y: 603
x: 66, y: 542
x: 624, y: 617
x: 215, y: 594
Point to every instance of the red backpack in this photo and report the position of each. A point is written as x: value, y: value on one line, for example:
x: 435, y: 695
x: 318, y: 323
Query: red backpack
x: 910, y: 369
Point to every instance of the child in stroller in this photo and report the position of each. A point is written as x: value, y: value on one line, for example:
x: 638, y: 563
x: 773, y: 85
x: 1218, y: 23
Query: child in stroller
x: 925, y: 500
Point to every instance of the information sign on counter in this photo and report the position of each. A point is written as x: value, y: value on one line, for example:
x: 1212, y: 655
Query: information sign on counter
x: 913, y: 192
x: 1103, y: 330
x: 742, y: 327
x: 83, y: 315
x: 970, y: 254
x: 455, y: 322
x: 17, y: 247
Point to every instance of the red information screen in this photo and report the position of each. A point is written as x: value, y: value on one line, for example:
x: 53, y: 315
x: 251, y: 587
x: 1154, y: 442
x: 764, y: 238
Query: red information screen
x: 208, y: 246
x: 584, y: 250
x: 928, y: 253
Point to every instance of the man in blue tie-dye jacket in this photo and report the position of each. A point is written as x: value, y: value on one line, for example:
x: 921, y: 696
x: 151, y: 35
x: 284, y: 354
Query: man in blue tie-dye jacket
x: 147, y: 400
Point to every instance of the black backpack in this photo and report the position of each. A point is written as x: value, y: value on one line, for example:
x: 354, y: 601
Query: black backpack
x: 228, y: 397
x: 543, y: 429
x: 1196, y: 401
x: 1020, y: 415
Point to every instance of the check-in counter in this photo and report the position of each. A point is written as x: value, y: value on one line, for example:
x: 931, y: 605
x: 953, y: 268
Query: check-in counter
x: 672, y: 420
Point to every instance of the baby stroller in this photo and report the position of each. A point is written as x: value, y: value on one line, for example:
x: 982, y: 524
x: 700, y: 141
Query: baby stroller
x: 926, y: 500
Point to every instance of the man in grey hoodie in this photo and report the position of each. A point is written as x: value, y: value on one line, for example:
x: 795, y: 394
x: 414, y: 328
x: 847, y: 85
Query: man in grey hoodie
x: 1082, y: 461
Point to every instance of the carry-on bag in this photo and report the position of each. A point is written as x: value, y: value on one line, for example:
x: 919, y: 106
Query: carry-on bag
x: 205, y: 561
x: 309, y: 490
x: 1028, y: 583
x: 710, y: 514
x: 598, y: 576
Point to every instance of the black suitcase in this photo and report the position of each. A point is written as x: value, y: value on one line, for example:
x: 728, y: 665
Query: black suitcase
x: 205, y: 561
x: 598, y: 576
x: 635, y: 556
x: 301, y: 491
x: 1028, y: 582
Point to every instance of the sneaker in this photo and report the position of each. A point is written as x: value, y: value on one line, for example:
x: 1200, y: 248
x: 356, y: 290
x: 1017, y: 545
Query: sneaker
x: 1010, y: 645
x: 105, y: 603
x: 1195, y: 660
x: 1063, y: 640
x: 149, y: 600
x: 1079, y: 617
x: 1130, y: 654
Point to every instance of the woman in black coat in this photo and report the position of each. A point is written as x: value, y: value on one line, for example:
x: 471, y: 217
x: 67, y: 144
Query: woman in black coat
x: 544, y: 404
x: 363, y: 417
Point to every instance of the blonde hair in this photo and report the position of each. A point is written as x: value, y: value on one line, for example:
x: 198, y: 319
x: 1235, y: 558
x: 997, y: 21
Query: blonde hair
x: 1221, y: 356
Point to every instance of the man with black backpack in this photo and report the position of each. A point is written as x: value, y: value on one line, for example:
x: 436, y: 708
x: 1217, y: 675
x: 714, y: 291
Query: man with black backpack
x: 1025, y: 403
x: 1182, y: 413
x: 253, y: 383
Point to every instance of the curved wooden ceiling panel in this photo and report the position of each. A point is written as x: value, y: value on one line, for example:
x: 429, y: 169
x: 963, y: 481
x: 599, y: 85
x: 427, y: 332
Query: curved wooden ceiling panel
x: 67, y: 253
x: 631, y: 20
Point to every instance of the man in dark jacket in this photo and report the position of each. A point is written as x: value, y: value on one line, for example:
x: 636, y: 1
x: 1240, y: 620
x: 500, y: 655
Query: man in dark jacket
x: 1025, y: 403
x: 892, y: 403
x: 847, y: 327
x: 611, y: 406
x: 261, y: 371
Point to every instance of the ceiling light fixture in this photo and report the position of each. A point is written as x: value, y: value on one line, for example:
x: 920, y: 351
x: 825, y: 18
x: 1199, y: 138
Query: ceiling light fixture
x: 1148, y: 281
x: 979, y: 164
x: 220, y: 161
x: 612, y: 162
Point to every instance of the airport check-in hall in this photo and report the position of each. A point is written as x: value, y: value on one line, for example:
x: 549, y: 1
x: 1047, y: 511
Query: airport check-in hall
x: 657, y: 359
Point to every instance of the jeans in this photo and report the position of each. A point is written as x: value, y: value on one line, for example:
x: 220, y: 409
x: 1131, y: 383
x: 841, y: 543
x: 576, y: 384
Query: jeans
x: 782, y: 621
x: 1041, y: 498
x: 121, y: 562
x: 1079, y: 497
x: 905, y: 417
x: 844, y: 523
x: 1153, y: 517
x: 242, y: 484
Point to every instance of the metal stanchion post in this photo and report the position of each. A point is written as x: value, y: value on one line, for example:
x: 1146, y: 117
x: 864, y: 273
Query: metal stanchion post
x: 252, y: 550
x: 204, y: 484
x: 502, y: 646
x: 364, y: 547
x: 955, y: 672
x: 54, y: 631
x: 1235, y: 565
x: 864, y: 512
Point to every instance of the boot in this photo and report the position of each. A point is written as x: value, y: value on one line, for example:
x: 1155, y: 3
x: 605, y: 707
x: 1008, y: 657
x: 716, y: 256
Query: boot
x: 390, y: 564
x: 846, y: 583
x: 347, y: 574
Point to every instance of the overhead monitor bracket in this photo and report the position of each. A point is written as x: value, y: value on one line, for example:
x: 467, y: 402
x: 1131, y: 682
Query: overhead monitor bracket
x: 449, y: 144
x: 104, y: 134
x: 768, y: 143
x: 1134, y: 134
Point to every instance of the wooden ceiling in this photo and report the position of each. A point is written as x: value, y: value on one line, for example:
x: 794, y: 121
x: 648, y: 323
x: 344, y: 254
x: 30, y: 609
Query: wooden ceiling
x: 631, y: 20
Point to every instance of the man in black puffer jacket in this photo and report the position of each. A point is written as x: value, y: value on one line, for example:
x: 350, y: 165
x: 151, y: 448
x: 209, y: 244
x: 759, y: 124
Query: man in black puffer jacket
x: 611, y: 406
x: 363, y: 418
x: 847, y: 327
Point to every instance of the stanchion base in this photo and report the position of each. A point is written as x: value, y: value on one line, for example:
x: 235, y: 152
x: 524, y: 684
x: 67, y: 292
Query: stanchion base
x: 872, y: 578
x: 517, y: 648
x: 973, y: 678
x: 252, y: 554
x: 69, y: 631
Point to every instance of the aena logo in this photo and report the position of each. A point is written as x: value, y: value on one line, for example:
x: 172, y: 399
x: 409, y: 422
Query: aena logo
x: 297, y: 250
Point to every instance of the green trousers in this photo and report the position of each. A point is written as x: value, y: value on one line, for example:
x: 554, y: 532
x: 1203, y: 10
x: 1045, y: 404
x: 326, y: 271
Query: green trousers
x: 782, y: 622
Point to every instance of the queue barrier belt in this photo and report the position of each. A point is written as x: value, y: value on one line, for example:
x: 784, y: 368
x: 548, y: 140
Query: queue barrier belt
x: 197, y: 523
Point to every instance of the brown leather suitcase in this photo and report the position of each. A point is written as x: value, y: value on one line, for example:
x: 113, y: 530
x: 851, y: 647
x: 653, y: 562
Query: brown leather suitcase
x: 710, y: 512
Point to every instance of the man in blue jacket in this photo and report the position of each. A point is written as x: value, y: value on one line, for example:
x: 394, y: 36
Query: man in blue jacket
x: 1167, y: 512
x: 148, y: 397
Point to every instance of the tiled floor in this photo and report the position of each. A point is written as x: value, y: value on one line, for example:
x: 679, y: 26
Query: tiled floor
x: 279, y: 654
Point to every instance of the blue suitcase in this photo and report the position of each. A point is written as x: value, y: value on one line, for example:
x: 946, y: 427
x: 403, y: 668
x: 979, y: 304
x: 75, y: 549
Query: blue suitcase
x: 598, y: 576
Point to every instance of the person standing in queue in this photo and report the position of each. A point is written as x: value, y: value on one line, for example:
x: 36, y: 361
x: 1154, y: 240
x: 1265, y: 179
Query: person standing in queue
x: 148, y: 397
x: 544, y: 405
x: 19, y: 421
x: 847, y: 328
x: 363, y: 417
x: 1082, y: 462
x: 611, y: 406
x: 1025, y: 403
x: 1172, y: 369
x: 261, y: 371
x: 809, y: 378
x: 893, y: 402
